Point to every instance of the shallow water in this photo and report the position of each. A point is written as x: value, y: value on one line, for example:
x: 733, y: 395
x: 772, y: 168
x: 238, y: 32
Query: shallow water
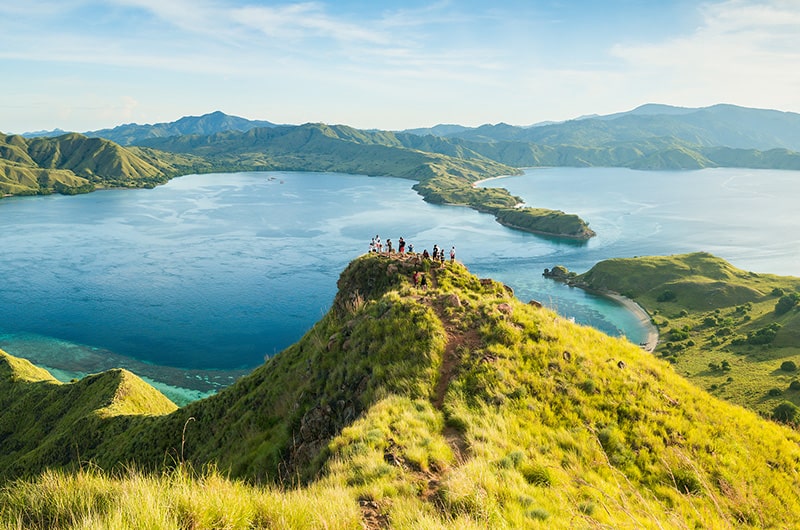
x: 195, y: 282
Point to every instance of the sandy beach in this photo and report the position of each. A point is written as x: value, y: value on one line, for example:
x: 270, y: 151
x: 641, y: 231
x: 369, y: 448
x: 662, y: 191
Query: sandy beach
x: 652, y: 331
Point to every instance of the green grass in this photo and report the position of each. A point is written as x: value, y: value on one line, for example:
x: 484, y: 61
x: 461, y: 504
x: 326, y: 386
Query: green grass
x: 455, y: 406
x: 712, y: 319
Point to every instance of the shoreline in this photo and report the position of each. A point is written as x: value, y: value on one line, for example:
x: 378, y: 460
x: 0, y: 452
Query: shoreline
x: 651, y: 341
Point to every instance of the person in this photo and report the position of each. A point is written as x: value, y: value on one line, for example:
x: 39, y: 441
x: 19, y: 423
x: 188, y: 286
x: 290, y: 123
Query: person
x: 435, y: 252
x: 401, y: 245
x: 416, y: 278
x: 388, y: 246
x: 425, y: 254
x: 452, y: 254
x: 411, y: 248
x: 423, y: 280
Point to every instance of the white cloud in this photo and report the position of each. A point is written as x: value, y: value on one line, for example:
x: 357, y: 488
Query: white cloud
x: 744, y: 52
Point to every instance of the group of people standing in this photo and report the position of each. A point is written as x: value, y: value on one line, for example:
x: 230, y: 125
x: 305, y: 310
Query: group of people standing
x: 376, y: 245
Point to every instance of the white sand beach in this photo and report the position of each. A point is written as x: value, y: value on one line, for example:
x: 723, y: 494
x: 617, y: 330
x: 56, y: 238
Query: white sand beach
x: 652, y: 331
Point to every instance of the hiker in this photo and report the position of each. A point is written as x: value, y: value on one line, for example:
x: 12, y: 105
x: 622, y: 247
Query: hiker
x: 435, y: 252
x: 401, y: 245
x: 411, y: 248
x: 425, y: 254
x: 423, y: 280
x: 452, y: 254
x: 388, y: 246
x: 415, y: 277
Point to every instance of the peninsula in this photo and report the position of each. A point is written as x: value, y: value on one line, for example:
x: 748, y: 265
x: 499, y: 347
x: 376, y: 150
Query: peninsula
x: 730, y: 331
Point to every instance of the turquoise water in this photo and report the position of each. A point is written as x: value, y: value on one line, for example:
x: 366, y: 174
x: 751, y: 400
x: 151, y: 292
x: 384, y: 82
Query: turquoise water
x: 195, y: 282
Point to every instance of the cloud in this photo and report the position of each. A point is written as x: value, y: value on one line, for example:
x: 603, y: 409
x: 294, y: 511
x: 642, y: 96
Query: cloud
x: 743, y: 51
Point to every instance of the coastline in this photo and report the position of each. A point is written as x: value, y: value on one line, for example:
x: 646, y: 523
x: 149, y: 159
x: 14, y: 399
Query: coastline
x: 641, y: 313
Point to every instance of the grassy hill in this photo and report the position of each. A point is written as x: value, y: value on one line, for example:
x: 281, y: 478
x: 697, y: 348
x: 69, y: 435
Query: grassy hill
x: 451, y: 406
x: 720, y: 326
x: 73, y: 163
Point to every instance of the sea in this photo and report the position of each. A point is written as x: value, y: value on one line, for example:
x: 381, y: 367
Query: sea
x: 194, y: 283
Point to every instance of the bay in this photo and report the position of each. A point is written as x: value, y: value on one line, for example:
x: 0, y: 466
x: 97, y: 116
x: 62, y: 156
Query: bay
x: 194, y: 283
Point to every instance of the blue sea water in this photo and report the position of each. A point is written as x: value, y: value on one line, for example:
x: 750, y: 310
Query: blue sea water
x: 195, y: 282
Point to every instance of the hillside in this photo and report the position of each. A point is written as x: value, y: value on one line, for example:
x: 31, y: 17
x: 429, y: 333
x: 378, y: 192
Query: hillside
x: 73, y: 163
x: 733, y: 332
x: 451, y: 406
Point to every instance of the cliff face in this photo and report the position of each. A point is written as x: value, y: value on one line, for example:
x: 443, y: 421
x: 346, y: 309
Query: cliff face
x: 457, y: 404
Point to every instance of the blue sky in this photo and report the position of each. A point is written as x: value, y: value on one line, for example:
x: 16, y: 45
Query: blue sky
x: 84, y: 65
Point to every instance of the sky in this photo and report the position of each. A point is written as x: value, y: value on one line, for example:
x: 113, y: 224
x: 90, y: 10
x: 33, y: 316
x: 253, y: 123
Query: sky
x: 84, y: 65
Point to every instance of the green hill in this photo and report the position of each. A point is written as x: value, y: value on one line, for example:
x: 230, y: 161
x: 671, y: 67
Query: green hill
x: 451, y: 406
x: 73, y: 163
x: 720, y: 326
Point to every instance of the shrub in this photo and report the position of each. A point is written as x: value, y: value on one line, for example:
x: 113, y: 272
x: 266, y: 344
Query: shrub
x: 761, y: 336
x: 774, y: 392
x: 794, y: 385
x: 537, y: 475
x: 686, y: 481
x: 786, y: 303
x: 667, y: 296
x: 788, y: 366
x: 785, y: 412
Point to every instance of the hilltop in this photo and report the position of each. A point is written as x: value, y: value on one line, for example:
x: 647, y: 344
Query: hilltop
x: 451, y: 406
x: 734, y: 332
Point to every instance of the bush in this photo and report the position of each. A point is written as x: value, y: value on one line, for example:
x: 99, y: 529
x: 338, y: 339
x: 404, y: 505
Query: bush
x: 788, y: 366
x: 786, y: 303
x: 667, y: 296
x: 762, y: 336
x: 794, y: 385
x: 774, y: 392
x: 785, y: 412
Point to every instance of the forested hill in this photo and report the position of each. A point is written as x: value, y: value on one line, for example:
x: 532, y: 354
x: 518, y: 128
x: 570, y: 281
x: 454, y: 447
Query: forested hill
x: 451, y: 406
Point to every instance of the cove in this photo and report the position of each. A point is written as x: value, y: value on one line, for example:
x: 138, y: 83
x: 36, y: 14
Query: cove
x: 193, y: 283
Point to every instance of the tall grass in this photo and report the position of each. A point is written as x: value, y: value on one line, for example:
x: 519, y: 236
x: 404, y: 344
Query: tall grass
x: 178, y: 499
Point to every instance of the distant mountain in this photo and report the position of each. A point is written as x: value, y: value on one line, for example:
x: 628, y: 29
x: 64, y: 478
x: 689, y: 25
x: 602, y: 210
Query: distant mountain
x: 133, y: 133
x: 437, y: 130
x: 212, y: 123
x: 44, y: 134
x: 716, y: 126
